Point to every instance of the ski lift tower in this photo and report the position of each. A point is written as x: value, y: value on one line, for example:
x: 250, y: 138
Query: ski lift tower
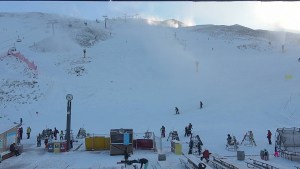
x: 105, y: 19
x: 69, y: 97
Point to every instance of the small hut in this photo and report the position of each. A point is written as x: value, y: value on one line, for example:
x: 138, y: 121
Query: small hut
x: 120, y: 139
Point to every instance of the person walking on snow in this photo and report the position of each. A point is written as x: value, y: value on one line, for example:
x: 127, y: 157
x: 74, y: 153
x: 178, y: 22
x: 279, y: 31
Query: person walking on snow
x: 269, y: 136
x: 28, y: 132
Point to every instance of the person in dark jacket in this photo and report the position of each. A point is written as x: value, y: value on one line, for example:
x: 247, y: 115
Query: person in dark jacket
x: 186, y: 131
x: 21, y: 132
x: 46, y: 142
x: 14, y: 149
x: 55, y: 132
x: 269, y: 136
x: 201, y: 105
x: 163, y: 132
x: 229, y: 138
x: 199, y: 144
x: 191, y: 145
x: 39, y: 140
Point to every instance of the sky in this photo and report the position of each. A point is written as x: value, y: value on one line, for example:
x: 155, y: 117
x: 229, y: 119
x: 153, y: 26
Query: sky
x: 256, y: 15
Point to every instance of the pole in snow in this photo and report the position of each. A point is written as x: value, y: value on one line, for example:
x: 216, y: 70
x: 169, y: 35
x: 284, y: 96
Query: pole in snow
x: 69, y: 97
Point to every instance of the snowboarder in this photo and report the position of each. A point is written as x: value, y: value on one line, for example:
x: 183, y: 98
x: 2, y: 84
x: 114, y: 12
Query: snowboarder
x: 269, y: 136
x: 143, y: 161
x: 205, y: 155
x: 201, y: 105
x: 176, y: 110
x: 163, y: 132
x: 28, y: 132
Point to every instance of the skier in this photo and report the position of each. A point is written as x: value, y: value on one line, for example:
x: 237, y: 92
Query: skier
x: 201, y: 105
x: 163, y: 132
x: 205, y: 155
x: 28, y: 132
x: 269, y: 136
x: 176, y: 110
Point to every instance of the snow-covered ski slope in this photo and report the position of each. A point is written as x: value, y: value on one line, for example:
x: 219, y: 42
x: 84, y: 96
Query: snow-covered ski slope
x: 136, y: 71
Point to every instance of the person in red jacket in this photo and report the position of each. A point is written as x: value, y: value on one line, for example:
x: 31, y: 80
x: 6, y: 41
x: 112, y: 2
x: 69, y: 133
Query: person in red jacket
x: 205, y: 155
x: 269, y: 136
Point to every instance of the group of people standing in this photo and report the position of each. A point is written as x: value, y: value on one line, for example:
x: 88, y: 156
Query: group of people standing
x: 20, y: 133
x: 49, y: 134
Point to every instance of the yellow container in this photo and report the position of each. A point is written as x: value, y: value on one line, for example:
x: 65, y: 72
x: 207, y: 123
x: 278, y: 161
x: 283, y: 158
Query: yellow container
x: 97, y: 143
x: 176, y: 147
x: 56, y: 147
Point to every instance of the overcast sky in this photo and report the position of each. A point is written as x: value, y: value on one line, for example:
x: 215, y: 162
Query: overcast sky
x: 253, y: 14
